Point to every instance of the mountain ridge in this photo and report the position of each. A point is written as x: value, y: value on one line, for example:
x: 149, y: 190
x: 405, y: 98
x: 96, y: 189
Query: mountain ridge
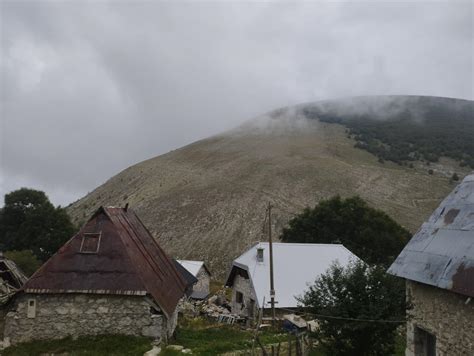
x: 207, y: 200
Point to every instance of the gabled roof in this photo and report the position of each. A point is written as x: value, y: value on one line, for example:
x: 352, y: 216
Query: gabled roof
x: 294, y: 264
x: 441, y: 253
x: 193, y: 266
x: 128, y: 261
x: 187, y: 276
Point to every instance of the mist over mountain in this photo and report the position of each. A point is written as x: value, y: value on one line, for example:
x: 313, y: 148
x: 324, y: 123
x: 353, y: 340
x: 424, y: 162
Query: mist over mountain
x: 207, y: 200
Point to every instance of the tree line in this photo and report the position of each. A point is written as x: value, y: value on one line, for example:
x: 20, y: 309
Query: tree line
x: 32, y: 229
x: 426, y: 131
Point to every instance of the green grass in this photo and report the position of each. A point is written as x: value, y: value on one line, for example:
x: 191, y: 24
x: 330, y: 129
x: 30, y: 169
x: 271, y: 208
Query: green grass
x: 205, y: 338
x: 91, y: 346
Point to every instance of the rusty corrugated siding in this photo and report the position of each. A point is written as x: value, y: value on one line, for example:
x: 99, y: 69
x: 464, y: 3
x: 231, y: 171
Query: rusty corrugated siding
x: 129, y: 262
x: 441, y: 253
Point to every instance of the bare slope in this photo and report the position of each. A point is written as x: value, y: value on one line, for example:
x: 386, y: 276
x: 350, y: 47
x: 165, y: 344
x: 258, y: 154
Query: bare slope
x: 207, y: 200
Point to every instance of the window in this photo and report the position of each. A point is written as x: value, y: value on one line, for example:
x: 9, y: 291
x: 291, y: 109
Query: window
x: 425, y: 343
x: 90, y: 243
x: 239, y: 297
x: 252, y: 308
x: 31, y: 310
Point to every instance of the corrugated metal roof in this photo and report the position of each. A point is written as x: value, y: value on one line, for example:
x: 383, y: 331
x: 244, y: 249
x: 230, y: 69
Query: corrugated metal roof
x: 441, y: 253
x: 295, y: 265
x: 128, y: 261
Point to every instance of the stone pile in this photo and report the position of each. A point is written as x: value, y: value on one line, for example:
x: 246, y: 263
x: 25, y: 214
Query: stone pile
x: 214, y: 307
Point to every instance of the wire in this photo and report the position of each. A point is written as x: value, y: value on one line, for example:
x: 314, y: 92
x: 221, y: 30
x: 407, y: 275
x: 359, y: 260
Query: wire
x: 348, y: 319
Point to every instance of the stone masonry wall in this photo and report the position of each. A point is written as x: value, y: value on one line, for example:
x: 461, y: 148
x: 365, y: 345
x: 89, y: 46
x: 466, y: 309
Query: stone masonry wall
x: 443, y: 314
x: 60, y: 315
x: 203, y: 282
x: 244, y: 286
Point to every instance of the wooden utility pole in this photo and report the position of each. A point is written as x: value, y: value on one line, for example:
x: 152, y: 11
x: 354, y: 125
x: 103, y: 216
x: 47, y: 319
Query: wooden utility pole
x: 272, y: 286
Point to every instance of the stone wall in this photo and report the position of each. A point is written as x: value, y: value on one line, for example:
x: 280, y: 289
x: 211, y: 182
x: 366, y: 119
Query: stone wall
x: 244, y: 286
x: 203, y: 282
x: 59, y: 315
x: 443, y: 314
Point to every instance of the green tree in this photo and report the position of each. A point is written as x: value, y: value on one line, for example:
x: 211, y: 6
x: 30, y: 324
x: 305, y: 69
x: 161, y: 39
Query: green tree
x: 28, y: 221
x: 25, y: 260
x: 357, y: 292
x: 369, y: 233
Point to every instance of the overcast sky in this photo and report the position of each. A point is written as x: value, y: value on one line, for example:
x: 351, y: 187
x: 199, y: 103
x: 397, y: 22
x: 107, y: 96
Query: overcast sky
x: 89, y: 88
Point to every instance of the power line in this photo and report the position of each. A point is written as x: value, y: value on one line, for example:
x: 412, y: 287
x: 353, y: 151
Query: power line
x: 348, y: 319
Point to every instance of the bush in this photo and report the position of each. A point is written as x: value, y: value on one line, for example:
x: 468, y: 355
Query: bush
x: 357, y: 292
x: 25, y: 260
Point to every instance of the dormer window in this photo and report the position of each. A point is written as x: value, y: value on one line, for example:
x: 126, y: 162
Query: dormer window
x: 260, y: 254
x: 90, y: 243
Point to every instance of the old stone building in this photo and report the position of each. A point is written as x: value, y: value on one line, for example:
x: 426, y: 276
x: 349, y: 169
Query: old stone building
x: 295, y: 265
x: 111, y: 278
x: 199, y: 270
x: 438, y: 265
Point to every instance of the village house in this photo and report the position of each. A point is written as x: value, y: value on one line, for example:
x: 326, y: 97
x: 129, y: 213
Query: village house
x: 112, y: 277
x: 199, y: 270
x: 294, y: 264
x: 438, y: 265
x: 189, y: 279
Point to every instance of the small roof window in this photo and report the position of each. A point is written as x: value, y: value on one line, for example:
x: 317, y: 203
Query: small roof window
x: 90, y: 242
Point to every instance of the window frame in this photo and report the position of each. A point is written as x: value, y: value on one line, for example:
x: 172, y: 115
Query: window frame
x: 97, y: 235
x: 239, y: 295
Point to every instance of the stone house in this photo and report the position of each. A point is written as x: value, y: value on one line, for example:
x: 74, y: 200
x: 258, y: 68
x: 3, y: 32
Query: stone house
x: 199, y: 270
x: 438, y: 265
x: 294, y: 264
x: 112, y: 277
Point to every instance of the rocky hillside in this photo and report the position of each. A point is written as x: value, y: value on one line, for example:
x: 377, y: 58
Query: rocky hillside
x: 207, y: 200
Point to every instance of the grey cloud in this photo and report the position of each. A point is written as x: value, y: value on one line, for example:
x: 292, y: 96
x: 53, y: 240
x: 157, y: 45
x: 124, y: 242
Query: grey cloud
x: 90, y: 88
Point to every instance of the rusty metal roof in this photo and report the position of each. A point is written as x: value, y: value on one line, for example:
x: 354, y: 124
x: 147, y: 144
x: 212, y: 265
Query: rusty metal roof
x: 441, y: 253
x: 113, y: 253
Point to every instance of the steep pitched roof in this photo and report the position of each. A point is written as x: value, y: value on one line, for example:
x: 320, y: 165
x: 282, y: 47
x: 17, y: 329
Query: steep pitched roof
x: 294, y: 264
x: 113, y: 253
x: 441, y: 253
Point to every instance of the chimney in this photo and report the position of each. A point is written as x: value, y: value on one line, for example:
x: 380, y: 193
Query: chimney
x: 260, y: 254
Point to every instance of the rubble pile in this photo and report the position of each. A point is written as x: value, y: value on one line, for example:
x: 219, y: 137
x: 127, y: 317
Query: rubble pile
x: 213, y: 308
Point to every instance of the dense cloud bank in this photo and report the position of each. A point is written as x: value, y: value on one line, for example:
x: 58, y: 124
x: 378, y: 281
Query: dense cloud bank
x: 90, y: 88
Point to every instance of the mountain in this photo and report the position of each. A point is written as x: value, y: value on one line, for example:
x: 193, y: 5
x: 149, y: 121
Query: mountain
x: 207, y: 200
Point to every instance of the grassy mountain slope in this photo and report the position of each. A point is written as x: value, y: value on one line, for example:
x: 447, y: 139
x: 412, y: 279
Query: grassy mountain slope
x: 207, y: 200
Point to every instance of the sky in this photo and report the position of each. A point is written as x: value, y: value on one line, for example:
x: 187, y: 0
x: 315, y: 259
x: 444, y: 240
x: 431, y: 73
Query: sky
x: 88, y: 88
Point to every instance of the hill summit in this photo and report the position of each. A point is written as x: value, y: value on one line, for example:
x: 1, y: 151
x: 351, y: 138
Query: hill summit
x: 207, y: 200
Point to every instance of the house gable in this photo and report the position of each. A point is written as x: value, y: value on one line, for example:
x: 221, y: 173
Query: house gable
x: 126, y: 260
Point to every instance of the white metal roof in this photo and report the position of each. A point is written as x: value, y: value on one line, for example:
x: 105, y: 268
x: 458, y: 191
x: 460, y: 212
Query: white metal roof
x: 295, y: 266
x: 193, y: 267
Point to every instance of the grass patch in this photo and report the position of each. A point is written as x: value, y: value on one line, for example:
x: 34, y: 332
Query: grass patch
x: 86, y: 345
x: 205, y: 338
